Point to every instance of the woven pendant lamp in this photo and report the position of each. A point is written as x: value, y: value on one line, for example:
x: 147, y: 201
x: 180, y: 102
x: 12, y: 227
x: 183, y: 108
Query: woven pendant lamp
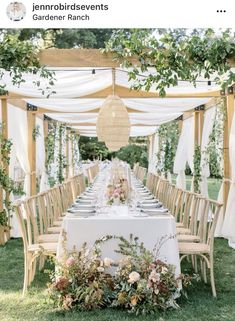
x: 113, y: 124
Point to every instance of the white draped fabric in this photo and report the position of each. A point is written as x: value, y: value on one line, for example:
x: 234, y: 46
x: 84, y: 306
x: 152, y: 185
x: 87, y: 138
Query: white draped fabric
x: 81, y: 82
x: 219, y: 225
x: 18, y: 133
x: 185, y: 152
x: 209, y: 118
x: 228, y: 229
x: 154, y: 151
x: 41, y: 157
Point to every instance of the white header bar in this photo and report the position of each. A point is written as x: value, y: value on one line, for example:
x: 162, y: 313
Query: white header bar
x: 117, y: 14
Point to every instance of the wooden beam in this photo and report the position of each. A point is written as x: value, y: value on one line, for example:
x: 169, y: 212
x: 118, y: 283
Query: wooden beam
x: 78, y: 58
x: 4, y: 136
x: 45, y: 130
x: 18, y: 103
x: 31, y: 116
x: 227, y: 128
x: 83, y: 58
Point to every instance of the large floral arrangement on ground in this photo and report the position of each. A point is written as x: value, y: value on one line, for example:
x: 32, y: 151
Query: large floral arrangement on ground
x: 141, y: 283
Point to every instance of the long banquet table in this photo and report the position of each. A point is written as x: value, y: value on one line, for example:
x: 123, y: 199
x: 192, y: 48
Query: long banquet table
x: 121, y: 221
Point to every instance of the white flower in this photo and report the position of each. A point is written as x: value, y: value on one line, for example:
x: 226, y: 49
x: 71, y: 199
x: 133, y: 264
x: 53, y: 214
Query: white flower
x: 133, y: 277
x: 164, y: 270
x: 100, y: 269
x: 108, y: 262
x: 154, y: 276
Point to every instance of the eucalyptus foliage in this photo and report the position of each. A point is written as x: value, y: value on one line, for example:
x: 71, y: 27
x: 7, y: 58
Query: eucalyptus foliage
x: 6, y: 183
x: 173, y: 56
x: 168, y: 141
x: 197, y: 169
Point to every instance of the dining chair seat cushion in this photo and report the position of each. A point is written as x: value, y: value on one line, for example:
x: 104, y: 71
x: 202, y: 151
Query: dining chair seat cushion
x: 193, y: 248
x: 188, y: 238
x: 48, y: 238
x: 183, y: 230
x: 54, y: 230
x: 179, y: 224
x: 57, y: 223
x: 47, y: 247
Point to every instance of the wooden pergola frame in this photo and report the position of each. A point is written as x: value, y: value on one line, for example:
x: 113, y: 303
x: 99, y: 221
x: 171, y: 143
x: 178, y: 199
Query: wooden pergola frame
x: 76, y: 58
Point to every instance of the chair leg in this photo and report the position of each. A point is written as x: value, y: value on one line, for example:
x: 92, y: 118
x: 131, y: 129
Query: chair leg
x: 212, y: 276
x: 26, y: 274
x: 41, y: 262
x: 34, y: 265
x: 204, y: 272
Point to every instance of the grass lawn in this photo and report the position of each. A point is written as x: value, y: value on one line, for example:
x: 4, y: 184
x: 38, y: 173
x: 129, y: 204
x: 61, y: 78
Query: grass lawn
x: 200, y: 306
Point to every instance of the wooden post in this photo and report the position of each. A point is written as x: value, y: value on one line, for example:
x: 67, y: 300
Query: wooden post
x: 31, y: 115
x: 5, y: 136
x: 45, y: 130
x: 227, y: 128
x: 4, y: 231
x: 198, y: 124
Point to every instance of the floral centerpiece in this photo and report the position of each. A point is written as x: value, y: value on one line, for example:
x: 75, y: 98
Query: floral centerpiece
x: 117, y: 193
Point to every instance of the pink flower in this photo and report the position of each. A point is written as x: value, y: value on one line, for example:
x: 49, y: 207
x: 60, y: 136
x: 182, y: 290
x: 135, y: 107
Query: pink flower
x: 154, y: 276
x: 115, y: 195
x: 61, y: 283
x: 70, y: 262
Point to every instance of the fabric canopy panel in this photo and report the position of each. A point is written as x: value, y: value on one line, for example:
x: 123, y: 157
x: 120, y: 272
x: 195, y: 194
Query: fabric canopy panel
x: 90, y: 131
x: 81, y: 82
x: 185, y: 152
x: 154, y: 105
x: 209, y: 118
x: 228, y: 229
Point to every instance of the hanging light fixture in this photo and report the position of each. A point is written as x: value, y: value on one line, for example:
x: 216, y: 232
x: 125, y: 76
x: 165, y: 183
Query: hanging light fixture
x: 113, y: 124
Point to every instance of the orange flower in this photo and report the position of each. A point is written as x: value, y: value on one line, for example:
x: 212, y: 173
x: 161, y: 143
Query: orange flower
x: 134, y: 300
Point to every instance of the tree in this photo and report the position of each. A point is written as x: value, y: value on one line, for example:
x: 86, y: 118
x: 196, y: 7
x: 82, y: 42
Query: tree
x: 91, y: 149
x: 64, y: 38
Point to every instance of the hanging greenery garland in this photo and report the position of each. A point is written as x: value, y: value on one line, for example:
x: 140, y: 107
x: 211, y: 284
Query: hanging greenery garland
x: 168, y: 141
x: 61, y: 160
x: 197, y: 169
x: 6, y: 183
x: 214, y: 150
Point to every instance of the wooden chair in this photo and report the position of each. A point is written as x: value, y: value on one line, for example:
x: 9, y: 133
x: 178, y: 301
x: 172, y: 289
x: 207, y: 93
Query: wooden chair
x: 46, y: 208
x: 196, y: 225
x: 205, y: 248
x: 32, y: 250
x: 32, y: 208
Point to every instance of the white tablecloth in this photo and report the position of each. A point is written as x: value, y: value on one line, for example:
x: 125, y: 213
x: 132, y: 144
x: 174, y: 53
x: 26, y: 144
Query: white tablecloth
x: 150, y: 230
